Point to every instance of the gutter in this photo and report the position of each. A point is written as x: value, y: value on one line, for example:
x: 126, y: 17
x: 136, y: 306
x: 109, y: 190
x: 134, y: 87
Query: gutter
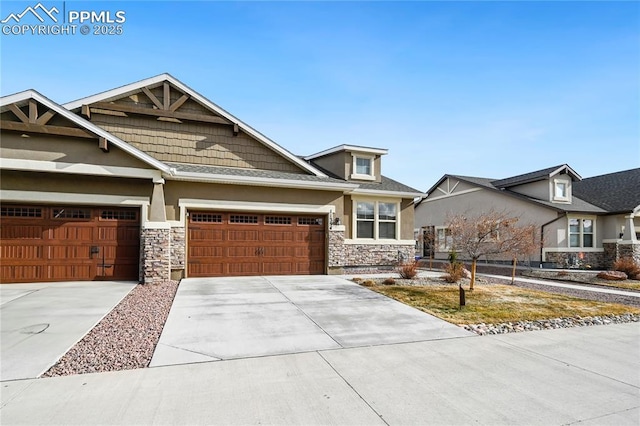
x: 259, y: 181
x: 564, y: 215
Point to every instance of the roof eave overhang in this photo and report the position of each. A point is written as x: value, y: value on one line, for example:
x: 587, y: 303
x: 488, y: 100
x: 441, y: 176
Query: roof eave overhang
x: 124, y: 146
x: 348, y: 148
x: 129, y: 88
x: 259, y: 181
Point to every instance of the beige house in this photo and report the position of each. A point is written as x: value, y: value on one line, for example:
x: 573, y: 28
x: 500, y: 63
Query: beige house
x: 583, y: 222
x: 152, y: 180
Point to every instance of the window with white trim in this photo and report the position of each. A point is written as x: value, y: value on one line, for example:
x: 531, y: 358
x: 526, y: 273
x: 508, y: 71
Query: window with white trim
x: 363, y: 167
x: 376, y: 220
x: 561, y: 190
x: 581, y: 232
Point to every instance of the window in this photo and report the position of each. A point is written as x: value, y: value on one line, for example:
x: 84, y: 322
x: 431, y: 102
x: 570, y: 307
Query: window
x: 387, y: 220
x: 67, y: 213
x: 310, y: 221
x: 581, y: 232
x: 365, y: 220
x: 118, y: 215
x: 443, y: 239
x: 376, y: 220
x: 206, y: 217
x: 560, y: 190
x: 362, y: 167
x: 277, y: 220
x: 21, y: 212
x: 243, y: 219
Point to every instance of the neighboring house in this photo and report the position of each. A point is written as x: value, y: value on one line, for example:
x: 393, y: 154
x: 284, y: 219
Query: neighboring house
x: 582, y: 222
x: 152, y: 180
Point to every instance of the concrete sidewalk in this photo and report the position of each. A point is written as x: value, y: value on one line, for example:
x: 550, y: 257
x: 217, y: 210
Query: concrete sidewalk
x: 550, y: 283
x: 586, y: 375
x: 40, y: 322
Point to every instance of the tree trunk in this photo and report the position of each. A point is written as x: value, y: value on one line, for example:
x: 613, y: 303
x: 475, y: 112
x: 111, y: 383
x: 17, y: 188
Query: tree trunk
x: 513, y: 271
x: 473, y: 274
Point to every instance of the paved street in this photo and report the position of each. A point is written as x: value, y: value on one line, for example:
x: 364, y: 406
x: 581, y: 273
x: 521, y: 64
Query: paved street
x: 587, y: 375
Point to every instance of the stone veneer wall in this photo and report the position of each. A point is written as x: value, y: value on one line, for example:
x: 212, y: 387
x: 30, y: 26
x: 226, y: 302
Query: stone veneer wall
x: 595, y: 260
x: 178, y: 247
x: 156, y: 255
x: 615, y: 251
x: 343, y: 255
x: 629, y: 250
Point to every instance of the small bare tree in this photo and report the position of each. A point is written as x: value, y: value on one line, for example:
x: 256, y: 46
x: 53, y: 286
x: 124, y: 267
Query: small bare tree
x: 490, y: 233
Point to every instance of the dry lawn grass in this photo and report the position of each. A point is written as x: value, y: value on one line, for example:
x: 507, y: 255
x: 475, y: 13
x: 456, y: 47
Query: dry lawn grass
x: 497, y: 303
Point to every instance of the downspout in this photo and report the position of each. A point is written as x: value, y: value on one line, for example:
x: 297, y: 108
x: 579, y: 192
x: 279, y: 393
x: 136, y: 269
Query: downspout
x: 542, y: 234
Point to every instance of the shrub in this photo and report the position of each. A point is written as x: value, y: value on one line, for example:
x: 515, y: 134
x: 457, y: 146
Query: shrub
x: 629, y: 266
x: 357, y: 280
x: 408, y: 270
x: 368, y: 283
x: 454, y: 272
x: 389, y: 281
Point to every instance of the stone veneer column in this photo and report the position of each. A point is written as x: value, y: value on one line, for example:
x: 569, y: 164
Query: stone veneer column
x: 178, y: 252
x: 155, y: 241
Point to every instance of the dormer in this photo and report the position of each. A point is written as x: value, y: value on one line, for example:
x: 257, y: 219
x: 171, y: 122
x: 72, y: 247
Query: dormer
x: 351, y: 163
x: 553, y: 184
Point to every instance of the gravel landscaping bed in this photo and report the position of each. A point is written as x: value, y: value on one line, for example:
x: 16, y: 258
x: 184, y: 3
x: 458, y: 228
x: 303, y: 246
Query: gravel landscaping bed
x: 126, y: 338
x: 503, y: 328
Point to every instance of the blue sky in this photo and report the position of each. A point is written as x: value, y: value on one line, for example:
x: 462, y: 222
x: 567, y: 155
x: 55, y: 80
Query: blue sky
x: 490, y: 89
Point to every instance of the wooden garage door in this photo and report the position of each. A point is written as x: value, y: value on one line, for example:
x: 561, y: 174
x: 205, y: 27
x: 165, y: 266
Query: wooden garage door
x: 235, y: 244
x: 64, y: 243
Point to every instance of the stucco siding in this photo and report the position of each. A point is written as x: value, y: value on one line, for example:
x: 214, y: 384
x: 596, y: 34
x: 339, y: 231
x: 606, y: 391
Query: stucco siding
x: 174, y: 191
x: 64, y: 150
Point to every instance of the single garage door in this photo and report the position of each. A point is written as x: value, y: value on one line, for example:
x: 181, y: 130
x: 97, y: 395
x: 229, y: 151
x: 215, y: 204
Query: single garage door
x: 68, y: 243
x: 231, y: 243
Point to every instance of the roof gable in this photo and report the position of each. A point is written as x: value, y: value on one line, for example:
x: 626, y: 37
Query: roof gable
x: 37, y: 113
x: 167, y: 99
x: 536, y: 176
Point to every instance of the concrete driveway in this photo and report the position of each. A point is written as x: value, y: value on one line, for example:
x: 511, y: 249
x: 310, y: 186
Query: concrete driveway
x: 40, y: 322
x: 227, y: 318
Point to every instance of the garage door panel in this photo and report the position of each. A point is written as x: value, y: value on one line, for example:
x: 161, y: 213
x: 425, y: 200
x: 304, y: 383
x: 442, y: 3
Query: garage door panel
x: 22, y: 251
x: 284, y: 252
x: 244, y: 235
x: 254, y: 244
x: 21, y: 231
x: 69, y: 272
x: 72, y: 233
x: 195, y: 252
x: 206, y: 234
x: 278, y: 236
x: 18, y: 273
x: 242, y: 252
x: 278, y: 268
x: 68, y: 253
x: 244, y: 268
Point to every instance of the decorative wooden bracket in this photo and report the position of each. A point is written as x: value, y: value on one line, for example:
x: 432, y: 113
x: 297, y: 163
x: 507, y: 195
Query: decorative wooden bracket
x: 103, y: 144
x: 236, y: 129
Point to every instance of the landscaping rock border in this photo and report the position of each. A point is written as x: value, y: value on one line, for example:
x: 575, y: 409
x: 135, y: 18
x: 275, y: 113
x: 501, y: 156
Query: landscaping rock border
x: 125, y: 338
x: 556, y: 323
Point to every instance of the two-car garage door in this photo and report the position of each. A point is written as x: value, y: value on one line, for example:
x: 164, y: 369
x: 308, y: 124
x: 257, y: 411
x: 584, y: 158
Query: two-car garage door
x: 239, y: 243
x: 68, y: 243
